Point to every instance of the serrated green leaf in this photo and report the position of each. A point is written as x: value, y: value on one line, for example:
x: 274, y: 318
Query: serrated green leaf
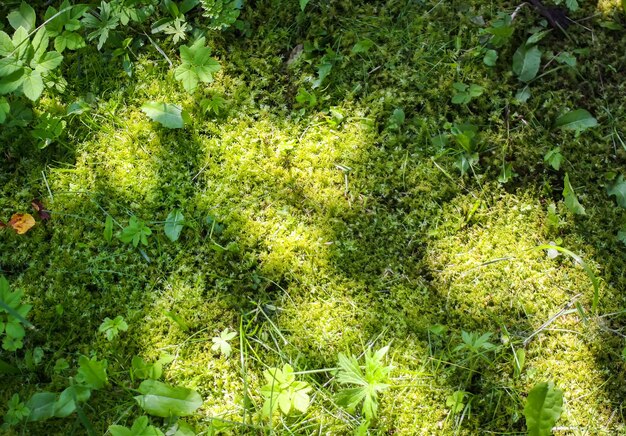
x: 48, y: 62
x: 32, y: 84
x: 166, y: 114
x: 174, y: 225
x: 577, y: 120
x: 112, y: 327
x: 6, y: 45
x: 23, y: 17
x: 543, y: 408
x: 526, y: 62
x: 92, y: 372
x: 197, y: 65
x: 162, y: 400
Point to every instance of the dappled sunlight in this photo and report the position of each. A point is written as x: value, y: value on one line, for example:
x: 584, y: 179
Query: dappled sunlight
x: 335, y: 224
x: 609, y: 6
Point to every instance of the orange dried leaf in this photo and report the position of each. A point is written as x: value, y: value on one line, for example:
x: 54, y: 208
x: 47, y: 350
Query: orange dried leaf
x: 22, y: 222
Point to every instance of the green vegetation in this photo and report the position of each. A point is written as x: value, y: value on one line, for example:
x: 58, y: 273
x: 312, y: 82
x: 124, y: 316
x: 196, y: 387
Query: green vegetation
x: 312, y: 217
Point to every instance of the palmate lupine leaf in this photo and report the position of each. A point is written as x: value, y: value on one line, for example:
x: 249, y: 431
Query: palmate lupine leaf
x: 370, y: 381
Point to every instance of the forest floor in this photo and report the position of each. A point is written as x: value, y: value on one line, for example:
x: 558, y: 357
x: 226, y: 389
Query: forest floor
x: 332, y: 217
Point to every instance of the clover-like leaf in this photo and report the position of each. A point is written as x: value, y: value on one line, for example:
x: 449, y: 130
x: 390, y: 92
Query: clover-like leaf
x: 136, y: 231
x: 221, y: 342
x: 282, y: 390
x: 112, y: 327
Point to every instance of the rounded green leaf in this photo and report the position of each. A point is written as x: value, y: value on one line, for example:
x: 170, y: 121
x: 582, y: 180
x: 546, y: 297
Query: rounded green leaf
x: 577, y: 120
x: 543, y: 408
x: 526, y: 62
x: 162, y: 400
x: 5, y: 108
x: 166, y: 114
x: 32, y: 85
x: 23, y: 17
x: 174, y: 225
x: 41, y: 406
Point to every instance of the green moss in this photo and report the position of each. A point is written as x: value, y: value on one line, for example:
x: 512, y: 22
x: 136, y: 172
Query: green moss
x: 333, y: 236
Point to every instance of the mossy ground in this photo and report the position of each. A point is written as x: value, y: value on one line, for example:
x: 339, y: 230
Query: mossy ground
x: 320, y: 259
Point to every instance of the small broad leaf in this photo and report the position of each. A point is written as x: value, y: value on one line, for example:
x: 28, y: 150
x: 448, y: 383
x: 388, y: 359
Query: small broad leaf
x: 6, y: 45
x: 543, y: 408
x: 162, y: 400
x: 554, y: 158
x: 144, y: 370
x: 141, y: 427
x: 22, y: 222
x: 168, y: 115
x: 571, y: 200
x: 66, y: 404
x: 519, y: 358
x: 491, y: 57
x: 137, y: 231
x: 5, y: 108
x: 112, y: 327
x: 92, y: 372
x: 32, y: 84
x: 197, y: 65
x: 23, y: 17
x: 362, y: 46
x: 577, y: 120
x: 174, y: 225
x: 536, y: 37
x: 526, y: 62
x: 618, y: 189
x: 41, y: 406
x: 108, y: 228
x: 48, y: 62
x: 303, y: 4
